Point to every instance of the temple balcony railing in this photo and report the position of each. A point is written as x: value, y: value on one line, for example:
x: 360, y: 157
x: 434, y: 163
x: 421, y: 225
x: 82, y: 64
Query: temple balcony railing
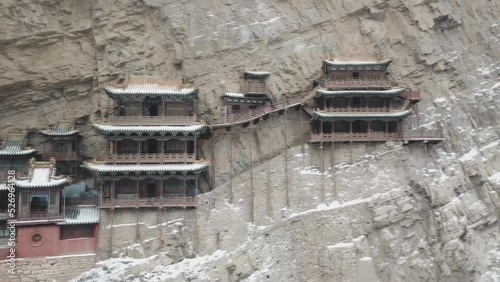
x: 423, y: 134
x: 358, y: 83
x: 61, y: 156
x: 254, y: 88
x: 412, y: 95
x: 39, y: 216
x: 360, y: 109
x: 153, y: 120
x: 135, y: 202
x: 4, y: 176
x: 152, y: 158
x: 354, y: 136
x: 4, y: 214
x: 88, y: 201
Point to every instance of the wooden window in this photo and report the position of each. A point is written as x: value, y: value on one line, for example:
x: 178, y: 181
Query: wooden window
x: 60, y: 147
x: 176, y: 109
x: 235, y: 108
x: 355, y: 75
x: 174, y: 187
x: 4, y: 232
x: 77, y: 231
x: 126, y: 186
x: 175, y: 146
x: 127, y: 146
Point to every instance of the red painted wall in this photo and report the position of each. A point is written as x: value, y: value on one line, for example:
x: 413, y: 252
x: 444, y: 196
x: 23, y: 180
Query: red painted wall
x: 51, y: 244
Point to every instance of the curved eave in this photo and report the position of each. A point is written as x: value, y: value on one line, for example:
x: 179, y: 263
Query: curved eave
x: 390, y: 92
x: 55, y: 183
x: 145, y: 168
x: 151, y: 130
x: 384, y: 63
x: 339, y: 116
x: 17, y: 152
x: 233, y: 95
x: 58, y: 133
x: 118, y: 92
x: 257, y: 73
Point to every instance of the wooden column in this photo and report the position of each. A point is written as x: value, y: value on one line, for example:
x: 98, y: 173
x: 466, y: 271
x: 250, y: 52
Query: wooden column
x: 113, y: 192
x: 185, y: 190
x: 386, y: 129
x: 138, y: 188
x: 162, y: 179
x: 350, y: 128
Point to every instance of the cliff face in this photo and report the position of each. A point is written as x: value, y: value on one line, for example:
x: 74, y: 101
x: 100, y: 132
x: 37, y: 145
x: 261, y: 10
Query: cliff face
x: 376, y: 211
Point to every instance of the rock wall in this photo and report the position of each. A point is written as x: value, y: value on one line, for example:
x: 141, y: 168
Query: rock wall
x: 61, y: 268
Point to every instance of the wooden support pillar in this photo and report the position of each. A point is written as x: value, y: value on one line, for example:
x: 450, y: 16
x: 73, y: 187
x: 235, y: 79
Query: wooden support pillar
x: 111, y: 233
x: 138, y: 188
x: 386, y: 129
x: 113, y: 193
x: 286, y: 161
x: 231, y: 166
x: 350, y: 128
x: 162, y: 179
x: 252, y: 191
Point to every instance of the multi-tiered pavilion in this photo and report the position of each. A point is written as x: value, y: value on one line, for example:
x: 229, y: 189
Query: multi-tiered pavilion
x: 358, y: 102
x: 254, y: 92
x: 151, y: 157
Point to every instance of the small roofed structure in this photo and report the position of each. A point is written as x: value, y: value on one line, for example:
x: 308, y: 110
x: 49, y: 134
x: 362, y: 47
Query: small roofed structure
x: 354, y: 74
x: 39, y: 193
x: 254, y: 93
x: 15, y: 145
x: 14, y: 156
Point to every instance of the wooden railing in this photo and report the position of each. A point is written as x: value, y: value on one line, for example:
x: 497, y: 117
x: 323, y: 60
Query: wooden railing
x: 357, y: 83
x: 148, y: 120
x: 253, y: 88
x: 413, y: 95
x: 149, y: 202
x: 151, y: 158
x: 354, y: 136
x: 4, y: 176
x: 39, y: 216
x: 65, y: 156
x: 423, y: 134
x: 222, y: 120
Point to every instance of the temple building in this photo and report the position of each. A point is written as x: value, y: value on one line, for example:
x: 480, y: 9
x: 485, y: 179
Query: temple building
x: 62, y: 143
x: 14, y: 155
x: 358, y: 103
x: 254, y: 92
x: 43, y: 222
x: 151, y: 157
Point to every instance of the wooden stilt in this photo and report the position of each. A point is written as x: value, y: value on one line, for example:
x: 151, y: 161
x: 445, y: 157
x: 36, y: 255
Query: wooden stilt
x: 160, y: 231
x: 137, y: 225
x: 269, y: 188
x: 252, y: 191
x: 286, y: 161
x: 231, y: 171
x: 111, y: 234
x: 303, y: 150
x: 333, y: 172
x: 213, y: 158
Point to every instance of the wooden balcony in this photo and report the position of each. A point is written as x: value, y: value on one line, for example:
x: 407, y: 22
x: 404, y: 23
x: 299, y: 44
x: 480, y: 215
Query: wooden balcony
x: 374, y: 136
x: 413, y: 95
x: 39, y: 216
x: 151, y: 158
x: 4, y: 176
x: 153, y: 120
x: 146, y: 202
x: 357, y: 84
x: 61, y: 156
x: 423, y: 135
x: 254, y: 88
x: 360, y: 109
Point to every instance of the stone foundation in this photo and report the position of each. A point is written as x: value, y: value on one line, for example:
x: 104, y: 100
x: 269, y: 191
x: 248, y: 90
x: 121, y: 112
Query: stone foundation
x: 62, y: 268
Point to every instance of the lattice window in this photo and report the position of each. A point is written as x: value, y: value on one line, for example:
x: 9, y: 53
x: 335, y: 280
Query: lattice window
x: 175, y: 146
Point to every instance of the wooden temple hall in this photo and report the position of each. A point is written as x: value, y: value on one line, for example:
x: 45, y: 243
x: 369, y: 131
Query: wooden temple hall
x: 152, y: 133
x: 357, y: 102
x: 254, y: 92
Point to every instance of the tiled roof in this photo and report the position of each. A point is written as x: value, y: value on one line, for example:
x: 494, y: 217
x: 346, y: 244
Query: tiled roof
x: 356, y: 63
x: 361, y: 114
x: 41, y: 176
x: 234, y: 95
x: 13, y: 146
x: 150, y: 85
x: 100, y: 167
x: 257, y: 73
x: 4, y: 187
x: 82, y: 215
x: 149, y: 128
x: 396, y: 91
x: 61, y: 129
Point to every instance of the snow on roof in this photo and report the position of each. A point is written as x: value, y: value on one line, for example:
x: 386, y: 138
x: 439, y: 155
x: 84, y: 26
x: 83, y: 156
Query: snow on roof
x: 100, y: 167
x: 13, y: 146
x: 150, y: 85
x: 42, y: 175
x: 395, y: 91
x: 234, y: 95
x: 82, y: 215
x: 361, y: 114
x: 257, y: 73
x: 61, y: 129
x: 149, y: 128
x: 356, y: 63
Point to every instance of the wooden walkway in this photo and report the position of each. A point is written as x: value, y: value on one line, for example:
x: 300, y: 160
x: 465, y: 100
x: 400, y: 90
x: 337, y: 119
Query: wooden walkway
x: 227, y: 120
